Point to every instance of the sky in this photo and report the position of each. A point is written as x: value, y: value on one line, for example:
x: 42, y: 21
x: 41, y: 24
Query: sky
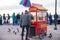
x: 10, y: 6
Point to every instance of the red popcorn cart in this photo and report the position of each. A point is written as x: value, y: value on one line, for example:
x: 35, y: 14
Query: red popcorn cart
x: 39, y: 20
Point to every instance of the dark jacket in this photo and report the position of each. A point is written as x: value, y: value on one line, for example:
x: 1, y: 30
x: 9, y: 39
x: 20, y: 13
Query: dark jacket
x: 55, y: 17
x: 50, y: 17
x: 4, y: 17
x: 8, y: 17
x: 0, y: 17
x: 17, y: 16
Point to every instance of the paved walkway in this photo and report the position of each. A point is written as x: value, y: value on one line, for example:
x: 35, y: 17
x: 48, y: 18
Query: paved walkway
x: 5, y: 35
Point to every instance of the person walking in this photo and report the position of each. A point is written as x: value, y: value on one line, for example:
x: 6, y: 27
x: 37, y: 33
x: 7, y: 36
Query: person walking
x: 50, y: 19
x: 18, y: 19
x: 14, y: 19
x: 25, y: 23
x: 4, y: 19
x: 0, y: 19
x: 8, y: 18
x: 21, y: 20
x: 55, y: 21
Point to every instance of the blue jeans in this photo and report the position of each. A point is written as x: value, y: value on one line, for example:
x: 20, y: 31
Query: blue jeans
x: 4, y: 20
x: 14, y: 21
x: 18, y: 21
x: 8, y: 20
x: 50, y: 22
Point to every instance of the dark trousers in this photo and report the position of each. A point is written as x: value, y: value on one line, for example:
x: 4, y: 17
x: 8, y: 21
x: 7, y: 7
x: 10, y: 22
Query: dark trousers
x: 0, y: 22
x: 23, y: 27
x: 50, y: 22
x: 55, y: 22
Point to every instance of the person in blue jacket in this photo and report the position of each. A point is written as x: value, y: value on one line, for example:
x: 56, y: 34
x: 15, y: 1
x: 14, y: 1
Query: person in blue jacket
x: 50, y: 19
x: 14, y: 18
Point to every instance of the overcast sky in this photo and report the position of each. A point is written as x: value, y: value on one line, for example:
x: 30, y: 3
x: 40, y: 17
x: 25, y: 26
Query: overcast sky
x: 14, y: 5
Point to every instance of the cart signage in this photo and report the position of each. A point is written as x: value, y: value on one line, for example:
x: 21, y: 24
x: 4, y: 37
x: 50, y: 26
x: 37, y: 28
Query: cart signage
x: 43, y: 25
x: 33, y: 9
